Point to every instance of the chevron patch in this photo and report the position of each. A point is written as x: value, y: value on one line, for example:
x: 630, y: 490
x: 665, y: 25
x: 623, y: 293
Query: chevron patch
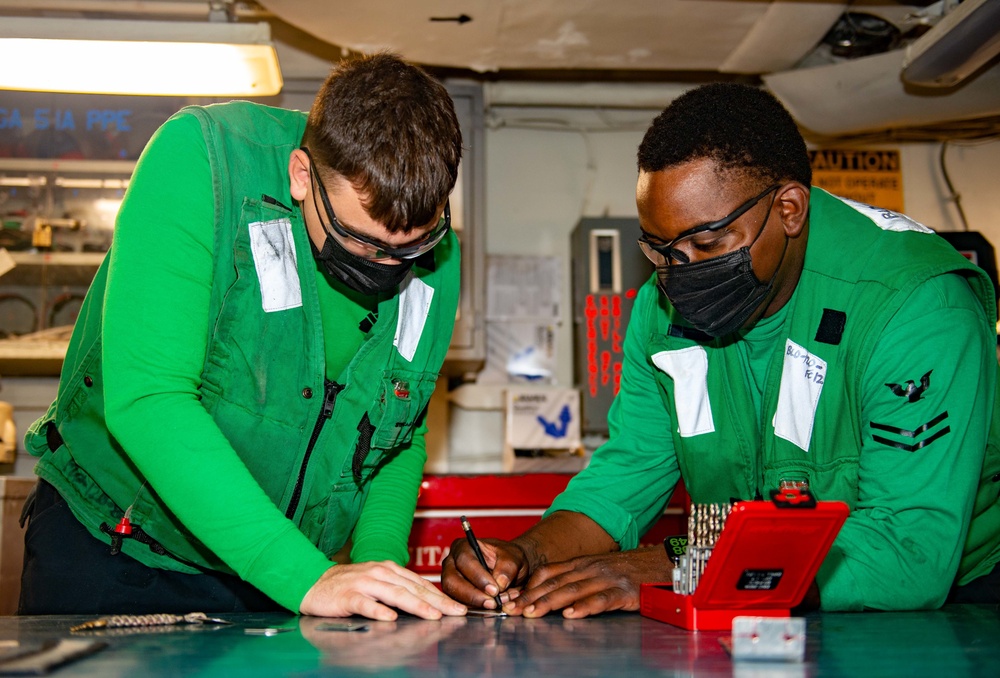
x: 911, y: 441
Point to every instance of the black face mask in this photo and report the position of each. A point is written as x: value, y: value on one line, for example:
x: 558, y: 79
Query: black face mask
x: 358, y: 273
x: 717, y: 295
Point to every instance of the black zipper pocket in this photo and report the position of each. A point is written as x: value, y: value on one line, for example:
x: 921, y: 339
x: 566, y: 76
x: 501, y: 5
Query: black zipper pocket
x: 330, y: 391
x: 364, y: 446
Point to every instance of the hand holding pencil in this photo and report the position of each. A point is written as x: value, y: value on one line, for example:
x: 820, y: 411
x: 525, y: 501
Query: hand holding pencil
x: 474, y: 543
x: 467, y: 576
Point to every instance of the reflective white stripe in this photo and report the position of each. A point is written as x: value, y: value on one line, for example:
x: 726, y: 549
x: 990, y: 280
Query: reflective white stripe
x: 273, y: 251
x: 802, y: 377
x: 688, y: 367
x: 414, y: 306
x: 885, y: 219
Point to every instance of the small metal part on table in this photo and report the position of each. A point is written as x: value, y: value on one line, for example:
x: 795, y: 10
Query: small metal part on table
x: 769, y: 638
x: 267, y: 631
x: 342, y: 626
x: 486, y: 613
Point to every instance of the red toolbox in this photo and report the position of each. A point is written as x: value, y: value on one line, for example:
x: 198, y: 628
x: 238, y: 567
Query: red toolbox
x: 762, y: 565
x: 500, y: 506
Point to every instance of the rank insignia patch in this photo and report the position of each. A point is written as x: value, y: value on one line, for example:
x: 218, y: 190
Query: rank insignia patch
x: 915, y: 439
x: 910, y: 390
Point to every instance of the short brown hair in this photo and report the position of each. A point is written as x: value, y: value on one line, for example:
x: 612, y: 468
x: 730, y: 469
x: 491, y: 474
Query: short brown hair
x: 391, y: 130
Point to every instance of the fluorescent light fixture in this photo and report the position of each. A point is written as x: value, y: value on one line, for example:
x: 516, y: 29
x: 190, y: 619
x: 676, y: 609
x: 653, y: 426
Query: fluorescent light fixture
x: 963, y: 40
x: 23, y: 182
x: 167, y: 58
x: 119, y: 184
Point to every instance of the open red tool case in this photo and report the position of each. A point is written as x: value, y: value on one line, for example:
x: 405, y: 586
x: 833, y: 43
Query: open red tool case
x: 765, y: 558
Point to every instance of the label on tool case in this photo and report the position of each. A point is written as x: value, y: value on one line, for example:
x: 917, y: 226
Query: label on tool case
x: 759, y: 580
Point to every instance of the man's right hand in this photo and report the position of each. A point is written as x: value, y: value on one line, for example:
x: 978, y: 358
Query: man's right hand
x: 464, y: 579
x: 372, y: 590
x: 561, y: 536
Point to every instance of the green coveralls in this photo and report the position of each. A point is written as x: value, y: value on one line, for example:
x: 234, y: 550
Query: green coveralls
x: 808, y: 394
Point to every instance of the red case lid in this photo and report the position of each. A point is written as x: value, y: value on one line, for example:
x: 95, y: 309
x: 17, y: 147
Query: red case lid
x: 767, y: 556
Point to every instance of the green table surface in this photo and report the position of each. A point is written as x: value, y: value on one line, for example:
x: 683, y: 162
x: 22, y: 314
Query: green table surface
x: 959, y: 640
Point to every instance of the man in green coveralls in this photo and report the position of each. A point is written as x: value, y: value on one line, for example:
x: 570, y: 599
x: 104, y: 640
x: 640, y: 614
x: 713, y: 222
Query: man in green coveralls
x: 788, y: 335
x: 240, y: 419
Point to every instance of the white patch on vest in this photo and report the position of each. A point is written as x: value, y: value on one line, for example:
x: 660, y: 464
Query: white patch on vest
x: 802, y: 378
x: 885, y: 219
x: 414, y: 306
x: 688, y: 367
x: 274, y: 257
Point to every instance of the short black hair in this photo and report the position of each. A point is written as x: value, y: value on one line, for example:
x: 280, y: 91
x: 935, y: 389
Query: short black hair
x: 391, y: 130
x: 744, y: 129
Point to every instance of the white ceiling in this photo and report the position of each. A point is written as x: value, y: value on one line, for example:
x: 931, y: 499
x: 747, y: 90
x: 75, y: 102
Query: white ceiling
x: 609, y: 40
x: 705, y: 35
x: 779, y: 40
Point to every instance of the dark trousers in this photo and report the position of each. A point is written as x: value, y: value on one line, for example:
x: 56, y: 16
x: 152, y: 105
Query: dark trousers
x: 985, y: 589
x: 68, y: 571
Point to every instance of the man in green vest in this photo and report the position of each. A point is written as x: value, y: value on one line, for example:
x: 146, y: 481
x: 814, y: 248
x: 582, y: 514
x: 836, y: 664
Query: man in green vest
x: 787, y: 336
x: 239, y: 424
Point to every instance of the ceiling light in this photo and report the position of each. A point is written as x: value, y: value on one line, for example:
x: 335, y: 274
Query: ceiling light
x: 166, y: 58
x: 23, y: 182
x: 963, y: 41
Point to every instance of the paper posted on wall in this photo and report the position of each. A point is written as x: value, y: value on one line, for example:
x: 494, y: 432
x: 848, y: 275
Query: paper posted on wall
x: 522, y: 317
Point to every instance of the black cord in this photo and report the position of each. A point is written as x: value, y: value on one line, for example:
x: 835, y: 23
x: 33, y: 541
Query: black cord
x: 954, y: 195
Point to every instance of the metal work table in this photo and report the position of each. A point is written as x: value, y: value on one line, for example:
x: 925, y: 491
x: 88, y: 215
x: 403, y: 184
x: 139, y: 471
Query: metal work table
x: 960, y: 640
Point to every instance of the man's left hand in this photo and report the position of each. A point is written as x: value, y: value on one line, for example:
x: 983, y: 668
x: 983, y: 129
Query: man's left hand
x: 589, y: 585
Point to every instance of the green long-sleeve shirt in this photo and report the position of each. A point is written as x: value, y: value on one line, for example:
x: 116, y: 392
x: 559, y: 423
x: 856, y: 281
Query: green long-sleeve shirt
x: 155, y: 318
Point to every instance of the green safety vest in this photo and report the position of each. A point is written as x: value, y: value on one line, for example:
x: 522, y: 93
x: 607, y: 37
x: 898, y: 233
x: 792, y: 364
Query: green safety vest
x: 263, y: 380
x: 842, y: 303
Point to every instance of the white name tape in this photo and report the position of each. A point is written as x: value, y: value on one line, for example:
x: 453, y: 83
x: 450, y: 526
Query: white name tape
x: 689, y: 369
x: 415, y: 298
x: 802, y: 378
x: 274, y: 258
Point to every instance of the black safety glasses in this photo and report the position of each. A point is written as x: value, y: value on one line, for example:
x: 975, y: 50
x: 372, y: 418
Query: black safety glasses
x: 662, y: 254
x: 370, y: 248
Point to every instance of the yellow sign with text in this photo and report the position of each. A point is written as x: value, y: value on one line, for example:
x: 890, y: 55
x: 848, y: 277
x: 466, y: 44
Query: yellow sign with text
x: 872, y: 177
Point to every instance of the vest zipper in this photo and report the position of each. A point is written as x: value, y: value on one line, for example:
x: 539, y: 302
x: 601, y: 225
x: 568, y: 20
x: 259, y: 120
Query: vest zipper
x: 274, y: 201
x: 365, y: 432
x: 330, y: 391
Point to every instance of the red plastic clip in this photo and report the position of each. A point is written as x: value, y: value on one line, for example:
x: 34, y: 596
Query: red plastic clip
x: 793, y: 497
x: 401, y: 389
x: 124, y: 526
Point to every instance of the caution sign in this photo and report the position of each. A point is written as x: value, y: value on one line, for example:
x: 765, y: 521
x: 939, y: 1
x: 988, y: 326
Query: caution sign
x: 872, y: 177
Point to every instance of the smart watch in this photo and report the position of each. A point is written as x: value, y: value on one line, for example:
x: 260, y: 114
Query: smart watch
x: 675, y: 546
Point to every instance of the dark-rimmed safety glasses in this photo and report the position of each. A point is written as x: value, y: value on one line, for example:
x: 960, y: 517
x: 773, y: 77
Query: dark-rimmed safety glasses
x: 664, y: 254
x: 367, y: 247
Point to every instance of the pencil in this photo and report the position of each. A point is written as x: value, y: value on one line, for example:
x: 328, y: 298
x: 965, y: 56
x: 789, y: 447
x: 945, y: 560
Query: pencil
x: 479, y: 555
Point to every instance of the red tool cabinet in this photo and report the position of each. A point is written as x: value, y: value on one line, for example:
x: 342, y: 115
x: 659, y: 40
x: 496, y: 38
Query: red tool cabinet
x: 500, y: 506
